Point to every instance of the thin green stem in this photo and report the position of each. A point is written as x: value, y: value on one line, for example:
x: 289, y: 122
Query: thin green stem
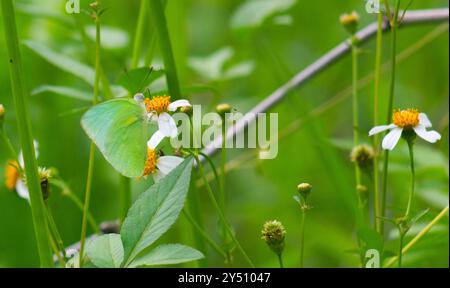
x: 26, y: 139
x: 223, y: 161
x: 139, y: 34
x: 9, y: 146
x: 89, y: 48
x: 280, y: 260
x: 92, y: 146
x: 394, y: 26
x: 419, y: 236
x: 66, y: 192
x: 205, y: 235
x: 159, y: 18
x: 413, y: 179
x: 220, y: 213
x: 302, y: 237
x: 376, y: 139
x: 400, y: 248
x: 54, y: 231
x: 56, y: 250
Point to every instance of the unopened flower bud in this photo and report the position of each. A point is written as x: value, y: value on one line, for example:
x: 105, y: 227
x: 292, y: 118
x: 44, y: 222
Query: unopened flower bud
x: 273, y: 234
x: 350, y: 22
x: 223, y: 108
x: 94, y: 6
x: 304, y: 189
x: 363, y: 156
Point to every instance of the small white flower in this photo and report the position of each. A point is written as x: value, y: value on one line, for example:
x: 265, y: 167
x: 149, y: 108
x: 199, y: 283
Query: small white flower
x: 158, y: 108
x: 159, y: 166
x: 13, y: 178
x: 405, y: 120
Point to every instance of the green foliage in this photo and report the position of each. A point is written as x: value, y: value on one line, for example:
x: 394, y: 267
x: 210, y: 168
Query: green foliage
x: 137, y: 80
x: 106, y: 251
x: 167, y: 254
x: 155, y: 211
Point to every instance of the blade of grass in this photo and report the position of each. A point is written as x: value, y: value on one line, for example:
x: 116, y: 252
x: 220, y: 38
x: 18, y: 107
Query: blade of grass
x: 26, y: 139
x: 159, y: 18
x: 140, y: 26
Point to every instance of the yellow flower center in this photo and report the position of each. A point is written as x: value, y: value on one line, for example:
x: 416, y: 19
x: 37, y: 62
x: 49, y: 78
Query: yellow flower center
x: 406, y: 119
x: 150, y: 163
x: 158, y: 104
x: 11, y: 174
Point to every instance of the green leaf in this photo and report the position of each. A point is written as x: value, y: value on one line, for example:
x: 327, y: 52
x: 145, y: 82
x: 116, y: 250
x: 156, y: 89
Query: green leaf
x: 38, y: 11
x: 63, y: 62
x: 119, y: 129
x: 112, y: 38
x: 166, y: 255
x: 106, y: 251
x: 254, y: 13
x: 137, y: 80
x: 64, y: 91
x: 155, y: 211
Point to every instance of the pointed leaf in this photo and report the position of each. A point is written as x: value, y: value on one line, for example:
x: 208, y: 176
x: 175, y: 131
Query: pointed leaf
x: 120, y: 130
x: 136, y: 80
x: 155, y: 211
x: 64, y: 91
x: 166, y: 255
x: 106, y: 251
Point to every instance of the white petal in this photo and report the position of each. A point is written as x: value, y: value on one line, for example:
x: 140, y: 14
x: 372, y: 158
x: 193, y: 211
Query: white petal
x: 177, y: 104
x: 379, y: 129
x: 166, y: 164
x: 36, y: 152
x: 392, y: 138
x: 430, y: 136
x: 22, y: 190
x: 152, y: 116
x: 167, y: 125
x: 154, y: 141
x: 424, y: 120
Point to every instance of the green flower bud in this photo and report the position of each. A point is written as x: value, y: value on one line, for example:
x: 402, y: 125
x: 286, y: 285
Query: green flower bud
x: 304, y: 189
x: 273, y: 234
x: 223, y: 108
x: 363, y: 156
x: 350, y: 22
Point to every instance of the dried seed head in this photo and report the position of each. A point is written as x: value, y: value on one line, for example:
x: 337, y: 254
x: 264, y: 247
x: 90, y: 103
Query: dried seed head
x: 44, y: 177
x: 363, y: 155
x: 350, y: 22
x: 273, y: 234
x: 304, y: 189
x: 223, y: 108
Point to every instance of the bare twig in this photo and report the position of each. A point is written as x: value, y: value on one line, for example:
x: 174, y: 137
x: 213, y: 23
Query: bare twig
x: 411, y: 17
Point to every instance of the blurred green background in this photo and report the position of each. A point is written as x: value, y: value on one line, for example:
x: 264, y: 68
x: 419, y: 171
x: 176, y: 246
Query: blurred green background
x: 244, y: 64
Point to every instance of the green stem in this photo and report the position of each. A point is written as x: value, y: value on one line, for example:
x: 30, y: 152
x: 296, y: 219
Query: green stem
x: 376, y: 139
x: 139, y: 34
x: 26, y: 139
x: 280, y: 260
x: 56, y: 250
x: 223, y: 162
x: 12, y: 152
x: 220, y: 213
x: 413, y: 178
x: 205, y: 235
x: 66, y: 192
x: 302, y: 237
x: 400, y: 250
x: 394, y: 26
x: 92, y: 146
x: 89, y: 48
x: 419, y: 236
x: 159, y: 18
x: 54, y: 231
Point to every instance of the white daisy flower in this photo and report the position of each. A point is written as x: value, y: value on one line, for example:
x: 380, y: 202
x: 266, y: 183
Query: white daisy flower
x: 406, y: 120
x: 156, y: 165
x: 14, y: 179
x: 158, y: 108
